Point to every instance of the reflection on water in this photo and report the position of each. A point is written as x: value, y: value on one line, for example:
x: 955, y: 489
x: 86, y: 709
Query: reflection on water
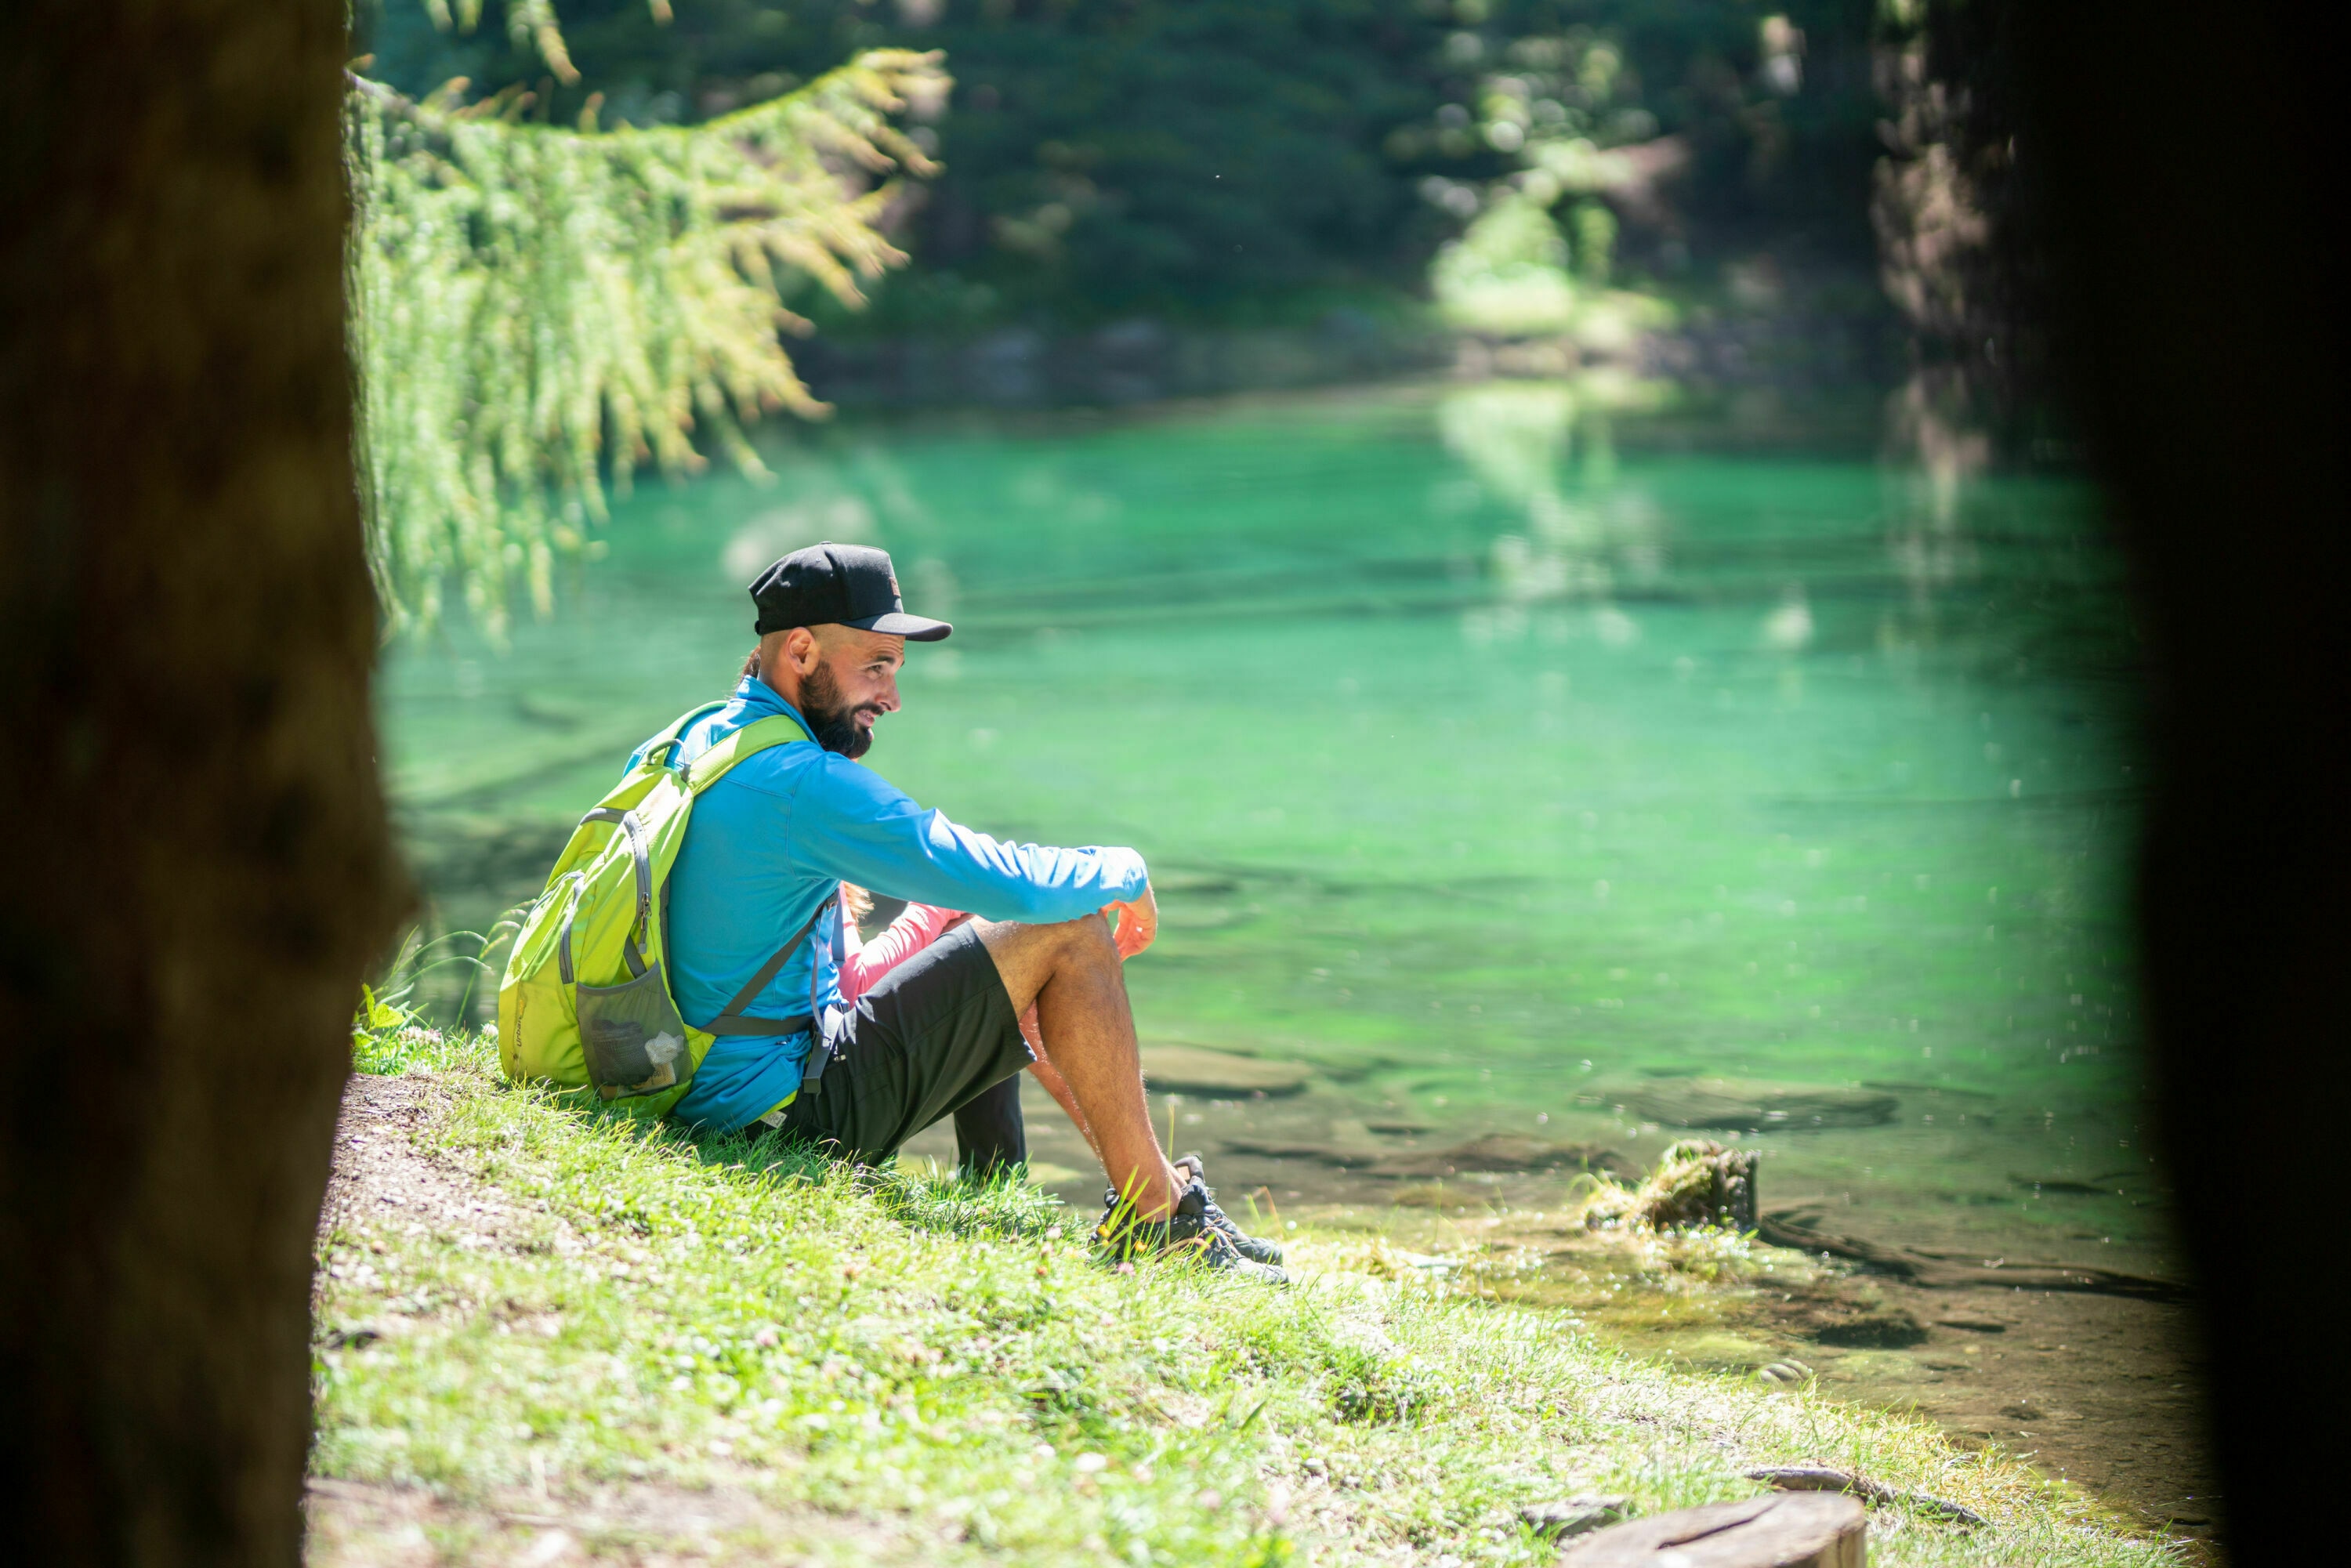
x: 1580, y: 539
x: 1504, y: 763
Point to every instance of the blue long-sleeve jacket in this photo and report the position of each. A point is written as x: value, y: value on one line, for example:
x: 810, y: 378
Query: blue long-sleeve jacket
x: 772, y: 839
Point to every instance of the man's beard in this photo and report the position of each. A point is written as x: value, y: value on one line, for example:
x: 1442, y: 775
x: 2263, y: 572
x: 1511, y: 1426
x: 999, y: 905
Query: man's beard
x: 836, y: 727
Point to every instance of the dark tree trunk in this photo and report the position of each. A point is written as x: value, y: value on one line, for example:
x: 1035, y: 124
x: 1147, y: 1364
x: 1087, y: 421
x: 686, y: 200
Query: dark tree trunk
x: 2124, y: 205
x: 2187, y: 160
x: 198, y: 864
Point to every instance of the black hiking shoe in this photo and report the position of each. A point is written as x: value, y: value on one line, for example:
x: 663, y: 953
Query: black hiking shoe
x: 1257, y: 1249
x: 1192, y: 1167
x: 1187, y: 1230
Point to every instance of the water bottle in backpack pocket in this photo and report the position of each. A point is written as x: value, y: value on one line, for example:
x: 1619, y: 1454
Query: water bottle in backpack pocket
x: 631, y: 1036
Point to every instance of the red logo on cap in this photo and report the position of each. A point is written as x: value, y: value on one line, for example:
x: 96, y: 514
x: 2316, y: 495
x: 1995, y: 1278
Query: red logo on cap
x: 893, y: 586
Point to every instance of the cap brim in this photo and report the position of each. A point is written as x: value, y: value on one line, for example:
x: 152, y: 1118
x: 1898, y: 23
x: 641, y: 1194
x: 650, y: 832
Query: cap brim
x: 914, y: 628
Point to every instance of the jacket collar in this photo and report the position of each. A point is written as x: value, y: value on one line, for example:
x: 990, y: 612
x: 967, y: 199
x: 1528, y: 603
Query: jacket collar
x: 760, y: 700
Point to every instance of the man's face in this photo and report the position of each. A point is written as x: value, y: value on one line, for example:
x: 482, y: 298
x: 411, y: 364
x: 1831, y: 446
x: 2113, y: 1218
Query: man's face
x: 853, y: 683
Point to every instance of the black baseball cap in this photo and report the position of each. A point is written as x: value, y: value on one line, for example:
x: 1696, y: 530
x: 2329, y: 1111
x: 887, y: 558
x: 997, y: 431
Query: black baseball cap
x: 838, y: 585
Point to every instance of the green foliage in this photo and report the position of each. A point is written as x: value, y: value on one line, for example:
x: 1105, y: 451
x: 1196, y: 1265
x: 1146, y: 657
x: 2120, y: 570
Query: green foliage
x: 544, y: 309
x: 1507, y: 275
x: 1595, y: 241
x: 1213, y: 158
x: 389, y: 1031
x: 378, y: 1026
x: 541, y: 309
x: 1186, y: 157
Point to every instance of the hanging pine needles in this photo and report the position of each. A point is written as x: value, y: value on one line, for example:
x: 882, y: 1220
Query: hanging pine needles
x: 539, y: 310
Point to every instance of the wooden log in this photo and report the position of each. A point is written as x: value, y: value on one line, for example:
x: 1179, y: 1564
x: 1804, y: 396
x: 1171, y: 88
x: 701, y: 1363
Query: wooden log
x: 1823, y: 1478
x: 1789, y: 1530
x: 1828, y: 1478
x: 1572, y: 1516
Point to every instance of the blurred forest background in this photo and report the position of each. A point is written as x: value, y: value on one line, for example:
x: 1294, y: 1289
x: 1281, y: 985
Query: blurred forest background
x: 1774, y: 192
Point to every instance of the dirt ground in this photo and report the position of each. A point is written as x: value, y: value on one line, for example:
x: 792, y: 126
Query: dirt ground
x: 357, y: 1526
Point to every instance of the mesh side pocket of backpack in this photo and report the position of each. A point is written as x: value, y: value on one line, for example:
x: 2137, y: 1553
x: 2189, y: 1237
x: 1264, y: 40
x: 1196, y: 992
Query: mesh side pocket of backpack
x: 632, y: 1036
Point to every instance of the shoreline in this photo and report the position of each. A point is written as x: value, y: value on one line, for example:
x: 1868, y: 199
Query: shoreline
x: 2102, y: 1387
x: 532, y: 1323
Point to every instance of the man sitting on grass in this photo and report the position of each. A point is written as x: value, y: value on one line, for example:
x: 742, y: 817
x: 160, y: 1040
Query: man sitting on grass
x: 766, y: 851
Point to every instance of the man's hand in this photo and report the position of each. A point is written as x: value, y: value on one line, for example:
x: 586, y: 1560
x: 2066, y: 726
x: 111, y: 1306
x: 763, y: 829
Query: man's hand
x: 1138, y: 923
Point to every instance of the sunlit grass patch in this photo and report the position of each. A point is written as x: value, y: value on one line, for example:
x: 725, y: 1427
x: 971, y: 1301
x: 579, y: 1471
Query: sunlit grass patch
x: 553, y: 1304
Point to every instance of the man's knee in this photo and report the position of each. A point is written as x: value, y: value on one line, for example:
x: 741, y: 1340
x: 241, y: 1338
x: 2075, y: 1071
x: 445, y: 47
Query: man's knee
x: 1085, y: 937
x: 1088, y: 939
x: 1029, y: 958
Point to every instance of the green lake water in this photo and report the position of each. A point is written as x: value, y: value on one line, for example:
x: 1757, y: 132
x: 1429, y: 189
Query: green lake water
x: 1495, y: 761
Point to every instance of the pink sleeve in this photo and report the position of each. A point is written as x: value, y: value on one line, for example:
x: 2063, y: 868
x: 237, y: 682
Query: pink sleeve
x: 915, y: 929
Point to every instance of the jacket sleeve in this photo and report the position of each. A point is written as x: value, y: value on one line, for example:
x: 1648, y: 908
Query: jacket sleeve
x: 848, y: 822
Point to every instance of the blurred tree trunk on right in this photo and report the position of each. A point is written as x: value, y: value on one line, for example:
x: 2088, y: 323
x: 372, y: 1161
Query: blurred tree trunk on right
x: 2181, y: 181
x: 2110, y: 214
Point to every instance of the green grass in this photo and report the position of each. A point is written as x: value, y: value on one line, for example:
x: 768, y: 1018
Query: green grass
x: 953, y: 1365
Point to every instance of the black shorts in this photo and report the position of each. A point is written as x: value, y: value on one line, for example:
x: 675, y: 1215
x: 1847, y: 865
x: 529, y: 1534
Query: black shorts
x: 934, y: 1034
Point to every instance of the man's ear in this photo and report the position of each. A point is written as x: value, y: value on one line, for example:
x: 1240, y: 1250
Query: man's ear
x: 801, y: 647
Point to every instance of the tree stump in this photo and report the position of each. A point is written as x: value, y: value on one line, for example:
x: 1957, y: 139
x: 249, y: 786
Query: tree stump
x: 1792, y: 1530
x: 1696, y: 1182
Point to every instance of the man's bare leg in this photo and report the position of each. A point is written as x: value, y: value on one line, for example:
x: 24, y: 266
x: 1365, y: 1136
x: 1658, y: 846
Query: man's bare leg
x: 1050, y: 1076
x: 1070, y: 973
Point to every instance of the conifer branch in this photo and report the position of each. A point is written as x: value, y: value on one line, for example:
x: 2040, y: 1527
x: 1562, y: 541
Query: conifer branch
x: 539, y: 310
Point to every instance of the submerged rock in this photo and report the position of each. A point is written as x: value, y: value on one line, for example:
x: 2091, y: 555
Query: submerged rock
x: 1855, y: 1323
x: 1801, y: 1228
x: 1502, y: 1152
x: 1736, y: 1105
x: 1194, y: 1069
x: 1836, y: 1309
x: 1351, y: 1147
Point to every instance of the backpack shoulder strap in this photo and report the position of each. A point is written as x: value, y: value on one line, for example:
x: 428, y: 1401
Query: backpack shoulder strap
x: 732, y: 1021
x: 700, y: 773
x: 661, y: 749
x: 732, y: 747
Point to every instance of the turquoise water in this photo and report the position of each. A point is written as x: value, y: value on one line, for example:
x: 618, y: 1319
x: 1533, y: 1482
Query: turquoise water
x: 1493, y: 758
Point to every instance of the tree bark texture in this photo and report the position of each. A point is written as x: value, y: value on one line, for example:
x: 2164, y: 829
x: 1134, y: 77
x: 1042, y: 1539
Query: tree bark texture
x: 199, y: 869
x: 1786, y: 1530
x: 1953, y: 202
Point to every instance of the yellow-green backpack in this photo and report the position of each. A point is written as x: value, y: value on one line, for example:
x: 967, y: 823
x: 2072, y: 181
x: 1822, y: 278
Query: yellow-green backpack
x: 585, y: 1002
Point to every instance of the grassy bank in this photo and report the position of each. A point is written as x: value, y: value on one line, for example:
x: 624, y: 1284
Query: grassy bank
x: 543, y: 1336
